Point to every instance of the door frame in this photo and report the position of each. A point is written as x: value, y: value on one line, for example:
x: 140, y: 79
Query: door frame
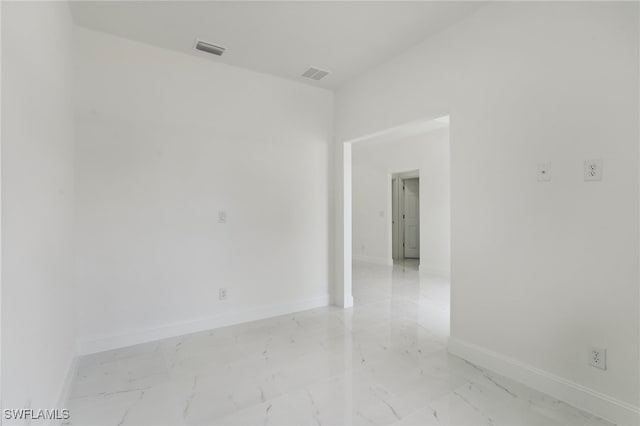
x: 341, y: 270
x: 404, y: 216
x: 397, y: 231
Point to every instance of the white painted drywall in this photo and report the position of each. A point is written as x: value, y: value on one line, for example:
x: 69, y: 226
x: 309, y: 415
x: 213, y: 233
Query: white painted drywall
x: 372, y: 167
x: 38, y: 319
x: 164, y: 142
x: 540, y: 271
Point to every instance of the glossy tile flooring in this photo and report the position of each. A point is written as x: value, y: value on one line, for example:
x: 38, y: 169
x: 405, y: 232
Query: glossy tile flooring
x: 382, y: 362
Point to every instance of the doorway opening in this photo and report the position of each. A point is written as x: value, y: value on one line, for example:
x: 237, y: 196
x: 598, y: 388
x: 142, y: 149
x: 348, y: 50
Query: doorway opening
x: 405, y: 216
x: 379, y: 215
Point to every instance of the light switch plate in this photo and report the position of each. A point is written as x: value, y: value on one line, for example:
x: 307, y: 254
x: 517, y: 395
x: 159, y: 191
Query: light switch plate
x: 544, y: 172
x: 222, y: 217
x: 593, y: 170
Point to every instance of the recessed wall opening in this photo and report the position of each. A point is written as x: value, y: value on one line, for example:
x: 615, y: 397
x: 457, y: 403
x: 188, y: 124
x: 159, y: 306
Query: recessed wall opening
x: 397, y: 188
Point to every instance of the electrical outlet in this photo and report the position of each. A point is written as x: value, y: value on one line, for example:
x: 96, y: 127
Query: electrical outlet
x: 222, y: 216
x: 592, y: 170
x: 598, y: 358
x: 222, y: 294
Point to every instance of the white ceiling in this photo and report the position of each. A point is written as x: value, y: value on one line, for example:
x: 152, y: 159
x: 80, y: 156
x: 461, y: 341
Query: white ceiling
x: 279, y: 37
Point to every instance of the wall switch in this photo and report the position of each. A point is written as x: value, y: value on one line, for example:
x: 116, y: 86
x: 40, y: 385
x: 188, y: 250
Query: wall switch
x: 222, y: 294
x: 222, y: 216
x: 598, y: 358
x: 592, y: 170
x: 544, y: 172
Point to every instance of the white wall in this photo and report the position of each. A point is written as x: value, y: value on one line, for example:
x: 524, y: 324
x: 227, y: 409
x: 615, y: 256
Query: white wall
x: 165, y: 141
x: 37, y: 198
x: 372, y: 167
x: 539, y: 271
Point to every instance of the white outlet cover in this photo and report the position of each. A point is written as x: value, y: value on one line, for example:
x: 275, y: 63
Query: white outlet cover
x: 544, y: 172
x: 598, y: 358
x: 593, y: 170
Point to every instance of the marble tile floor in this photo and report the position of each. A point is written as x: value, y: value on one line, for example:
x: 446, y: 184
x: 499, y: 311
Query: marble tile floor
x: 382, y: 362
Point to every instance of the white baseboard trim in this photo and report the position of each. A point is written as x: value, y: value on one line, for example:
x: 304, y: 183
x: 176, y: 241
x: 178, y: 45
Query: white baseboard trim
x: 594, y: 402
x: 65, y: 391
x: 348, y: 303
x: 104, y: 343
x: 372, y: 259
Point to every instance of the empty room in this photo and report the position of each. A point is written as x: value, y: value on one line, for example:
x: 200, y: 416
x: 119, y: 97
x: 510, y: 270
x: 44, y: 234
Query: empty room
x: 320, y: 213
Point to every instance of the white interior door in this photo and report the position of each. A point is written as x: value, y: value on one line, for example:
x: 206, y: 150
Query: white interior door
x: 395, y: 223
x: 411, y: 218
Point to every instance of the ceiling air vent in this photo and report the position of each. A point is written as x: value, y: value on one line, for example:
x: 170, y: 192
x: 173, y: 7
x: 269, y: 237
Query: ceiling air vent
x: 315, y: 73
x: 209, y: 48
